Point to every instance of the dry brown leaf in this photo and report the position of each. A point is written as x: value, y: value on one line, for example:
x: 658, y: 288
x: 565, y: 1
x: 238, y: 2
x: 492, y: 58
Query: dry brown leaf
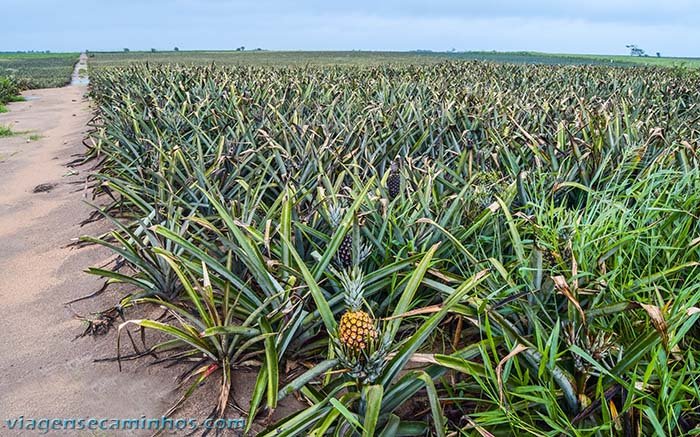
x: 574, y: 264
x: 499, y: 368
x: 417, y: 358
x: 658, y: 320
x: 473, y: 321
x: 417, y: 311
x: 603, y: 268
x: 423, y: 358
x: 482, y: 432
x: 530, y: 218
x: 563, y: 287
x: 615, y: 415
x: 442, y: 276
x: 266, y: 237
x: 457, y: 334
x: 677, y: 353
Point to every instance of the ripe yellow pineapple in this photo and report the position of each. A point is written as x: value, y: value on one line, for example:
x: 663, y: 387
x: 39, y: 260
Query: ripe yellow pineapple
x: 356, y: 329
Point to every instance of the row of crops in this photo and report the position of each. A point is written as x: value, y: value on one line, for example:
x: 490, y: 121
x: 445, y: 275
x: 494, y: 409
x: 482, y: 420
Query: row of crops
x: 23, y: 71
x: 38, y: 70
x: 453, y: 249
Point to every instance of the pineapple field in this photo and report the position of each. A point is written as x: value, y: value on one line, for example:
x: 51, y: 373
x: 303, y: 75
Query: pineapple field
x: 23, y: 71
x: 451, y: 248
x: 38, y: 70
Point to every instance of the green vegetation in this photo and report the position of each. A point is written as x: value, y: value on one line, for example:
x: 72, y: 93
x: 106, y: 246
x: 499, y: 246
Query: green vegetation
x: 104, y: 59
x: 38, y: 70
x: 6, y: 131
x: 461, y: 248
x: 9, y: 90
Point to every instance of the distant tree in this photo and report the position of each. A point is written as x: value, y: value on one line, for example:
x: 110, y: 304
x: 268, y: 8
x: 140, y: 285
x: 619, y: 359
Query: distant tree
x: 658, y: 54
x: 634, y: 50
x: 125, y: 49
x: 153, y: 50
x: 176, y: 49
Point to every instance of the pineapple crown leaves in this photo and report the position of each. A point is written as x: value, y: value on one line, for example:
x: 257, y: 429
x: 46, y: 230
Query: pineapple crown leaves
x: 353, y: 288
x: 335, y: 214
x: 395, y: 165
x: 365, y: 252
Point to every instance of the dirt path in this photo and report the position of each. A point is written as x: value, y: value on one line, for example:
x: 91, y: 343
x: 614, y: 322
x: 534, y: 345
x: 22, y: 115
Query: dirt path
x: 44, y: 372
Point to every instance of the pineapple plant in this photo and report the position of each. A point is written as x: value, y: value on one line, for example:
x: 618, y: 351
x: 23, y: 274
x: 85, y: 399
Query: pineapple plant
x: 357, y: 339
x: 356, y: 329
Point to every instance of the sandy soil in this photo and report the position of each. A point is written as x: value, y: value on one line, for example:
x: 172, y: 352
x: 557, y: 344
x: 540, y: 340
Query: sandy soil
x: 44, y: 372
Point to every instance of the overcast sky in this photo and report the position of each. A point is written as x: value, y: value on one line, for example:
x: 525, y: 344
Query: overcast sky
x: 588, y: 26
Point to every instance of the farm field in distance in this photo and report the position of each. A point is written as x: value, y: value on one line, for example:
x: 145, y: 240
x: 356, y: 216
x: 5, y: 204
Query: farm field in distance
x: 101, y: 59
x: 38, y: 70
x: 409, y: 244
x: 576, y: 59
x: 23, y: 71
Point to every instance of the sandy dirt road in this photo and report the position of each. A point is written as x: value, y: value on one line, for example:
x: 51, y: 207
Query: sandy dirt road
x: 44, y: 372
